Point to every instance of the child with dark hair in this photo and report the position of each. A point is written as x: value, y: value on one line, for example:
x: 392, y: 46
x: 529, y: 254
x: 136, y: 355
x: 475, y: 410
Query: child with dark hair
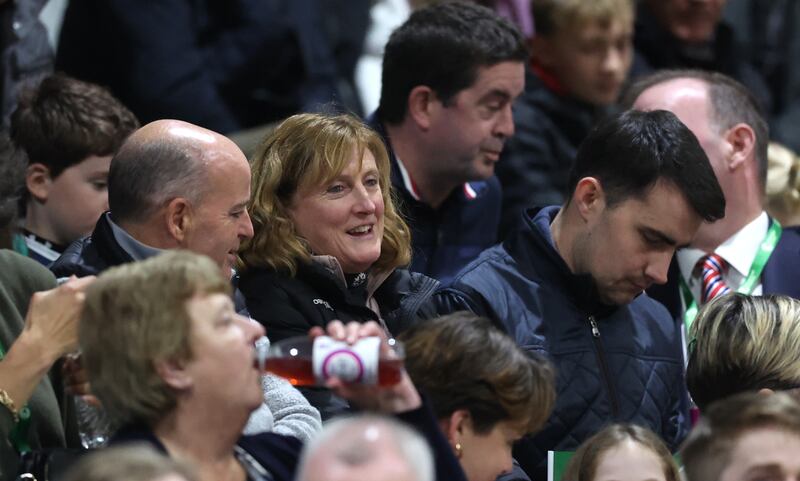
x: 69, y: 130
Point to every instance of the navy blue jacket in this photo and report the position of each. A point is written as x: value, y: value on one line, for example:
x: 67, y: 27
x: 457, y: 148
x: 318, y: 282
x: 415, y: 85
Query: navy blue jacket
x: 446, y: 239
x: 781, y: 275
x: 91, y: 255
x: 631, y: 370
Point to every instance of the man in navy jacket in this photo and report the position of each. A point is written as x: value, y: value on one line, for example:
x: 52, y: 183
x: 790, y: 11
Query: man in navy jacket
x: 730, y: 126
x: 450, y: 75
x: 569, y: 284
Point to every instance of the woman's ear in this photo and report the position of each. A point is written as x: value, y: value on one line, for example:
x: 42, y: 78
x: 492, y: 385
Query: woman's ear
x: 38, y: 181
x: 174, y: 373
x: 455, y: 425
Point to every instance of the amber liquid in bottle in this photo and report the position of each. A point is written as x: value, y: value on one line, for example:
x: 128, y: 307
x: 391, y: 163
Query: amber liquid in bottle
x: 300, y: 372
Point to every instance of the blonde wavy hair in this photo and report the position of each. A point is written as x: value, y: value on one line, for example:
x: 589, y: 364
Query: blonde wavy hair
x: 744, y: 343
x: 783, y: 184
x: 306, y: 150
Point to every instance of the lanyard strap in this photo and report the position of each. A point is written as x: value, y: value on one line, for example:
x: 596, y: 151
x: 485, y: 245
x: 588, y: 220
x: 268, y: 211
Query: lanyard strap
x: 750, y: 282
x: 19, y: 435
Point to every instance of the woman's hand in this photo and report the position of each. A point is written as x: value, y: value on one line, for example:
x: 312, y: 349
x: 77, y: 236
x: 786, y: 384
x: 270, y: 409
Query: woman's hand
x: 52, y: 320
x: 51, y: 330
x: 398, y: 398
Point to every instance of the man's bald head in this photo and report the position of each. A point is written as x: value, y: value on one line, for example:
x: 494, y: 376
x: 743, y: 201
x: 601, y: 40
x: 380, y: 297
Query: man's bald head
x: 724, y: 101
x: 163, y: 160
x: 366, y: 448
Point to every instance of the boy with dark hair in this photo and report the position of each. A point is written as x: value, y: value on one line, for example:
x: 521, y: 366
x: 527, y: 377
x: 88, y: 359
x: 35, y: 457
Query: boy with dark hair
x: 580, y: 58
x: 450, y: 75
x: 69, y: 130
x: 569, y: 283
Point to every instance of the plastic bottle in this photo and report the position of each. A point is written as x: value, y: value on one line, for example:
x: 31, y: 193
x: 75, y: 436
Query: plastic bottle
x: 93, y: 424
x: 309, y: 362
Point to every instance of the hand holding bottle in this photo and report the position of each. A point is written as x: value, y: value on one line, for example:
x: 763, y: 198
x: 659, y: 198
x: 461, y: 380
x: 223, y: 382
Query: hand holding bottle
x: 399, y: 397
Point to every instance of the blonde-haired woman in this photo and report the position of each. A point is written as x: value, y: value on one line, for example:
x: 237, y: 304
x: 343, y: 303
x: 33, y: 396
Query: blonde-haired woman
x: 744, y: 343
x: 329, y: 243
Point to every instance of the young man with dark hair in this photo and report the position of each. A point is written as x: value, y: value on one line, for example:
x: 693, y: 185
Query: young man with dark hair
x: 450, y: 75
x: 747, y: 251
x: 569, y: 284
x: 69, y: 130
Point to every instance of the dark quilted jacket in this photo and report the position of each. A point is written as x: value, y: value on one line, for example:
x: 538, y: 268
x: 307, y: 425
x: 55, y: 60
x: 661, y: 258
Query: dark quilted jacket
x: 629, y: 370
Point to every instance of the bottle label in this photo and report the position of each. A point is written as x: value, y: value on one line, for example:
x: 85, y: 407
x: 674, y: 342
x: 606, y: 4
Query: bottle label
x: 356, y: 364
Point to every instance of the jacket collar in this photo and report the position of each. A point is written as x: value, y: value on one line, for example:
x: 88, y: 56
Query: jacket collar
x: 402, y: 179
x: 534, y: 249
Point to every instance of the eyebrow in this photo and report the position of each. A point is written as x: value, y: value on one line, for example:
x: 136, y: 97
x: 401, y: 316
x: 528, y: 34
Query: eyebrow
x: 771, y: 468
x: 496, y: 93
x: 240, y: 205
x: 663, y: 237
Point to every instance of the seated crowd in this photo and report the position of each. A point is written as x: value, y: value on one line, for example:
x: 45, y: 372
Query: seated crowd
x: 621, y: 302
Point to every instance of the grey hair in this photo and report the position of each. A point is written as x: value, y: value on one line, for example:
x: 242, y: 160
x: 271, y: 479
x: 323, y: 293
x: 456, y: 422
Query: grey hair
x: 412, y: 446
x: 132, y: 462
x: 146, y: 175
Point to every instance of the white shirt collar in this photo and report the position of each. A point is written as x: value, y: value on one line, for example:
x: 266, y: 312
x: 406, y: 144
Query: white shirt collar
x: 739, y: 250
x: 411, y: 187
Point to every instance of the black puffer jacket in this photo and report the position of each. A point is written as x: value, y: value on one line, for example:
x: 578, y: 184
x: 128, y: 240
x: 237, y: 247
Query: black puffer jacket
x: 93, y: 254
x: 291, y: 305
x: 628, y: 369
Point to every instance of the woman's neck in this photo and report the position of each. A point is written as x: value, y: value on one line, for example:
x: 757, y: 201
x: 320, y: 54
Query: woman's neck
x: 207, y: 445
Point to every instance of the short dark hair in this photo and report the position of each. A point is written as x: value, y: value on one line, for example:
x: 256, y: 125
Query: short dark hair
x: 731, y: 103
x: 631, y: 151
x: 146, y: 174
x: 61, y: 121
x: 442, y: 46
x: 463, y: 361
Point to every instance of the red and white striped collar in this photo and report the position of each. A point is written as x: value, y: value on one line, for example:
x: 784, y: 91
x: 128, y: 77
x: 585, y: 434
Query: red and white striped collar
x: 411, y: 187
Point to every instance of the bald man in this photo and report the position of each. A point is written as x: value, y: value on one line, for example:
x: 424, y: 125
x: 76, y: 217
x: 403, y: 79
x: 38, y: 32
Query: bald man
x: 172, y: 185
x: 746, y: 251
x: 366, y: 448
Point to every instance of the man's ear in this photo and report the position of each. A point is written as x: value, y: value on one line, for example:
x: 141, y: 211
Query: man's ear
x: 179, y: 218
x: 174, y: 374
x: 38, y: 181
x: 742, y: 141
x: 421, y: 102
x: 589, y: 197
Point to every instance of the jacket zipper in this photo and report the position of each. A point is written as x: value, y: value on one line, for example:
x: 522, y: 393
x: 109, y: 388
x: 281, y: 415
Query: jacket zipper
x: 601, y: 359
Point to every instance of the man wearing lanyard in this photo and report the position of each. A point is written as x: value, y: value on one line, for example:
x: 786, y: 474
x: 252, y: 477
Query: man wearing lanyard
x: 747, y: 251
